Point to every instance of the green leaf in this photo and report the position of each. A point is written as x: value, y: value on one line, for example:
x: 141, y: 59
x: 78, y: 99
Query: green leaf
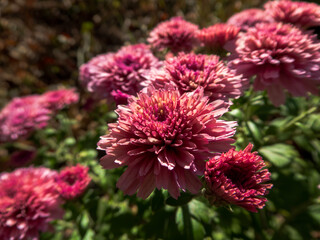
x: 101, y: 209
x: 292, y: 233
x: 200, y: 211
x: 254, y: 132
x: 279, y: 154
x: 89, y: 235
x: 85, y: 220
x: 236, y: 113
x: 50, y: 131
x: 88, y: 154
x: 315, y: 122
x: 314, y: 211
x: 198, y: 229
x: 70, y: 141
x: 179, y: 220
x: 75, y: 235
x: 112, y: 115
x: 306, y: 130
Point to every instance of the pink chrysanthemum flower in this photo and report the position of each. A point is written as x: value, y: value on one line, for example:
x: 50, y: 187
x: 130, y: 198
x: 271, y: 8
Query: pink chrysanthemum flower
x: 301, y: 14
x: 29, y: 200
x: 22, y: 116
x: 237, y: 178
x: 58, y: 99
x: 73, y: 181
x: 164, y: 138
x: 249, y: 18
x: 118, y: 72
x: 216, y: 36
x: 282, y: 57
x: 188, y: 71
x: 175, y: 34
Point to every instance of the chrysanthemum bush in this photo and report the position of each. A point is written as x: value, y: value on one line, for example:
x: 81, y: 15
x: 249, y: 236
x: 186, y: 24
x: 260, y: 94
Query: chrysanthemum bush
x: 199, y: 132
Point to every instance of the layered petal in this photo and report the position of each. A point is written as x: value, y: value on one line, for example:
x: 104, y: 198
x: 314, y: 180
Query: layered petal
x: 301, y: 14
x: 117, y: 76
x: 237, y: 177
x: 73, y: 181
x: 282, y: 57
x: 29, y: 200
x: 189, y: 71
x: 175, y: 34
x: 161, y: 140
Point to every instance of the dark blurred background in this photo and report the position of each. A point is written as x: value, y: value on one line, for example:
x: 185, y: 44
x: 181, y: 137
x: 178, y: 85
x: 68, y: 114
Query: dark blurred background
x: 43, y: 42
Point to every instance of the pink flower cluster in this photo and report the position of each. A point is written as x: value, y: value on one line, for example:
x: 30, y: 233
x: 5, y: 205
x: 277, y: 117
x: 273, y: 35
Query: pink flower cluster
x: 300, y: 14
x: 189, y: 71
x: 176, y: 34
x: 73, y: 181
x: 29, y: 200
x: 249, y: 18
x: 170, y: 132
x: 118, y: 75
x: 217, y: 36
x: 282, y: 57
x: 237, y: 178
x: 165, y: 134
x: 58, y: 99
x: 20, y: 117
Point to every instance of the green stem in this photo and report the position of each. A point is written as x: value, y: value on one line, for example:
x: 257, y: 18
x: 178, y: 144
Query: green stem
x: 298, y: 118
x: 258, y: 231
x: 188, y: 232
x: 247, y: 110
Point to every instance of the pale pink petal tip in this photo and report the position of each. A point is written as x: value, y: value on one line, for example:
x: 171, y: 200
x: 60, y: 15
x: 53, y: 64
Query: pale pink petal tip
x: 164, y: 138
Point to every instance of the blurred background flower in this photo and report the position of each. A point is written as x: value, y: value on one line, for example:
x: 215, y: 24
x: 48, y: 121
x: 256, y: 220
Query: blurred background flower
x: 72, y: 181
x: 29, y: 200
x: 121, y: 72
x: 176, y: 35
x: 282, y: 57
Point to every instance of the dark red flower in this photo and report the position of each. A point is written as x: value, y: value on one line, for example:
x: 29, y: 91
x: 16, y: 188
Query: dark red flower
x: 176, y: 34
x: 73, y: 181
x: 29, y: 201
x: 237, y: 177
x: 164, y: 138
